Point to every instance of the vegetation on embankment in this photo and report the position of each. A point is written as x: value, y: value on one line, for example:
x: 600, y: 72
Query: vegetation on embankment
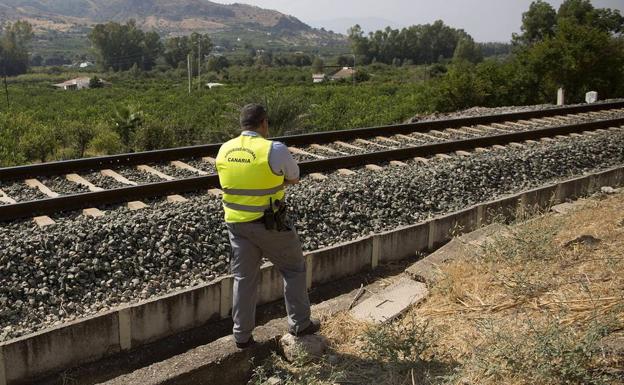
x: 542, y: 304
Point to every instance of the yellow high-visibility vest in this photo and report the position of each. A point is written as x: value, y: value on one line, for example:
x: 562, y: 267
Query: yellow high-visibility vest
x: 247, y: 180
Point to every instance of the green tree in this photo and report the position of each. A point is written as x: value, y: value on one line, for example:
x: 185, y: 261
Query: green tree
x: 537, y: 23
x: 80, y: 135
x: 152, y: 48
x: 217, y: 63
x: 422, y: 44
x: 119, y: 47
x: 14, y: 43
x: 578, y: 10
x: 345, y: 61
x: 467, y: 50
x: 127, y: 120
x: 318, y: 65
x: 178, y: 48
x: 359, y: 43
x: 583, y: 12
x: 106, y: 142
x: 579, y: 58
x: 38, y: 142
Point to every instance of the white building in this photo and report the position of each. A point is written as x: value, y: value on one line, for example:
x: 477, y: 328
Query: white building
x: 213, y: 85
x: 77, y: 84
x: 318, y: 78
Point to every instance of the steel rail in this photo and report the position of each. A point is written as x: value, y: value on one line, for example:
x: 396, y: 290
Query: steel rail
x: 131, y: 159
x: 126, y: 194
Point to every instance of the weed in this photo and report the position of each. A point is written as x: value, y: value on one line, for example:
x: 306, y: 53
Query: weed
x: 398, y: 343
x: 544, y: 353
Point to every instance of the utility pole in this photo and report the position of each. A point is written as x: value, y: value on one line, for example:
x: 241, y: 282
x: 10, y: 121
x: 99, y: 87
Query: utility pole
x: 188, y: 68
x: 6, y: 88
x: 199, y: 63
x: 353, y: 69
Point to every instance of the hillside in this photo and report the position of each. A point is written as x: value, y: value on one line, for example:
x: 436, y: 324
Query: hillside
x: 165, y: 16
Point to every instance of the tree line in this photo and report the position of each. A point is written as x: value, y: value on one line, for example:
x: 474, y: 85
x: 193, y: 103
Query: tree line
x: 418, y: 44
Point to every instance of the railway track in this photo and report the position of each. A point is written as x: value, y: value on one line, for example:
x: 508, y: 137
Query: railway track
x: 80, y: 266
x: 93, y: 182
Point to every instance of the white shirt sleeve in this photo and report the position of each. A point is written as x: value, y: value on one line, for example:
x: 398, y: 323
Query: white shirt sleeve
x: 282, y: 162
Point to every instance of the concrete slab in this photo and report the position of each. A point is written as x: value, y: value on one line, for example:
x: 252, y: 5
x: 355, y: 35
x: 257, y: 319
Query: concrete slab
x: 60, y: 347
x: 36, y: 184
x: 6, y: 199
x: 176, y: 199
x: 136, y: 205
x: 317, y: 176
x: 216, y: 192
x: 3, y: 380
x: 440, y: 133
x: 472, y: 129
x: 82, y: 181
x: 426, y: 136
x: 299, y: 151
x: 397, y: 163
x: 405, y: 137
x: 562, y: 208
x: 373, y: 167
x: 391, y: 302
x: 119, y: 178
x: 369, y: 143
x: 220, y: 362
x: 426, y: 270
x: 383, y: 138
x: 463, y: 153
x: 209, y: 159
x: 346, y: 171
x: 93, y: 212
x: 327, y: 149
x: 421, y: 160
x: 43, y: 221
x: 347, y: 145
x: 185, y: 166
x: 153, y: 171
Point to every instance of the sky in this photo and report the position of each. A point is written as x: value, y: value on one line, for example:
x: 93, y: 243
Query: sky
x: 485, y: 20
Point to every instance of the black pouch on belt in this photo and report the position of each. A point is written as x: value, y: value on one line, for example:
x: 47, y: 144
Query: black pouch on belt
x: 269, y: 217
x: 283, y: 222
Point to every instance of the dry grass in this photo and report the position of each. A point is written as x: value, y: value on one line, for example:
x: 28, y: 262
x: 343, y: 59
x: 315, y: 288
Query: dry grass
x: 526, y: 309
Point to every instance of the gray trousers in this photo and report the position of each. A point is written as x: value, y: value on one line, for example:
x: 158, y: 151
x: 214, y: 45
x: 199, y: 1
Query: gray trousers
x: 250, y: 243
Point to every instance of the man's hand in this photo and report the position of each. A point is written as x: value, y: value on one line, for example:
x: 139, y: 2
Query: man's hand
x: 290, y: 182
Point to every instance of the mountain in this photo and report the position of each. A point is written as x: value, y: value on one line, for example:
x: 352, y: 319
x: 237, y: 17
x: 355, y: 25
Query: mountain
x: 169, y: 17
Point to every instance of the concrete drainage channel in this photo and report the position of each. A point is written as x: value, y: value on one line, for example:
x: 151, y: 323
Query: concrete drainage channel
x: 54, y: 350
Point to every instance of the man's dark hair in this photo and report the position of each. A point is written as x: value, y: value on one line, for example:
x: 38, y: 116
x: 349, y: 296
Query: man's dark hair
x: 252, y: 116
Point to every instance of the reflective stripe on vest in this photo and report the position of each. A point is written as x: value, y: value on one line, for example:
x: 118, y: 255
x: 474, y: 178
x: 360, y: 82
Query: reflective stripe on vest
x: 247, y: 181
x: 253, y: 209
x: 253, y: 192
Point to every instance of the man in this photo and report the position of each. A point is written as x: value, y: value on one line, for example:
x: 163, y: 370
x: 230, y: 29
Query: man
x: 253, y: 172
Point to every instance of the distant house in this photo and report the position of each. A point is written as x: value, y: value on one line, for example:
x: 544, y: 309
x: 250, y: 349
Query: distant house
x: 344, y: 73
x: 77, y: 84
x: 318, y: 78
x: 85, y: 64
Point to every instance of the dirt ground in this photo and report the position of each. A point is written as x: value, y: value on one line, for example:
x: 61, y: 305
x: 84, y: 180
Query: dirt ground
x: 542, y: 303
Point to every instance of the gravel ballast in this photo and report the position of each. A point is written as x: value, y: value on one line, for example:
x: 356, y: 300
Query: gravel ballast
x: 81, y: 266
